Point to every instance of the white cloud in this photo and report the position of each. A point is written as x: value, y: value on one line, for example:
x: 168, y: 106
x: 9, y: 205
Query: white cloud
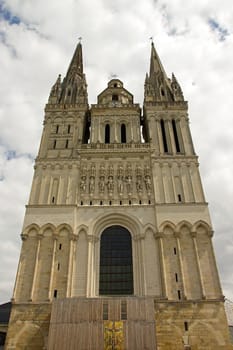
x: 116, y: 40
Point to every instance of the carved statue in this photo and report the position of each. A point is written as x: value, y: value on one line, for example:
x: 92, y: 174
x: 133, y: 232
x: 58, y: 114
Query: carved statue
x: 83, y: 184
x: 101, y: 184
x: 110, y: 170
x: 148, y: 183
x: 92, y: 184
x: 139, y: 184
x: 120, y: 171
x: 120, y: 184
x: 129, y: 184
x: 110, y: 184
x: 102, y: 170
x: 92, y: 170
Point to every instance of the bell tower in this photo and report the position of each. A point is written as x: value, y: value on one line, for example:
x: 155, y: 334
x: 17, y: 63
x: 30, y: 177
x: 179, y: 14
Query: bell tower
x: 117, y: 239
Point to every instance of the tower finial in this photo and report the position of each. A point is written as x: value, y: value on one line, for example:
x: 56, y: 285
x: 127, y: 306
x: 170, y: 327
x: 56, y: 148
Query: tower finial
x: 152, y: 40
x: 80, y: 39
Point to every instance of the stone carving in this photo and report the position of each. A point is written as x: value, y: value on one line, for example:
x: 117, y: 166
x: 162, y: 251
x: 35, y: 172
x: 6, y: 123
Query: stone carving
x: 92, y: 170
x: 110, y: 170
x: 147, y: 170
x: 129, y: 184
x: 83, y: 184
x: 84, y: 171
x: 139, y: 185
x: 128, y: 171
x: 120, y: 185
x: 110, y: 185
x: 120, y: 171
x: 148, y: 183
x: 101, y: 184
x: 92, y: 185
x: 138, y: 170
x: 102, y: 170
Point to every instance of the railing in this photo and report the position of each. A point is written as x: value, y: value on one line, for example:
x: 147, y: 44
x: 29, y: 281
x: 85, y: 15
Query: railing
x: 110, y: 146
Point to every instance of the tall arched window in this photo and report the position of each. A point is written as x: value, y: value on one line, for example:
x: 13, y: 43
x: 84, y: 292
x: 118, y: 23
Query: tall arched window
x: 107, y: 133
x: 116, y: 269
x: 123, y: 133
x: 164, y: 136
x: 175, y: 136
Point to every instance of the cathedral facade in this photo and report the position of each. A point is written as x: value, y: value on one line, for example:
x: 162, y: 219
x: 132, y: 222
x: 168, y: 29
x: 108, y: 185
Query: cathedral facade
x: 117, y: 239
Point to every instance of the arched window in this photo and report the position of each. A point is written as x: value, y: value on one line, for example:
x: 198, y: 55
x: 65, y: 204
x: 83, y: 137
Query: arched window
x: 123, y: 133
x: 164, y: 136
x: 116, y: 270
x: 175, y: 136
x: 107, y: 133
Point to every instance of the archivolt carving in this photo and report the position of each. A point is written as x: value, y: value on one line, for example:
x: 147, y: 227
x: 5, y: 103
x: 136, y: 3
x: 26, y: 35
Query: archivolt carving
x: 131, y: 224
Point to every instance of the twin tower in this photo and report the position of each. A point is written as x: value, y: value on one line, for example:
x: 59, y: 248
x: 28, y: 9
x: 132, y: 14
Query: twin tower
x: 117, y: 240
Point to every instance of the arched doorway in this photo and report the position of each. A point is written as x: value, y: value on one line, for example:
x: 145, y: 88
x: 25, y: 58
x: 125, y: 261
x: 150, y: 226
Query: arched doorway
x: 116, y: 268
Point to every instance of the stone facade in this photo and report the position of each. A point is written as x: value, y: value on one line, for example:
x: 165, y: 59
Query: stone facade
x: 95, y: 171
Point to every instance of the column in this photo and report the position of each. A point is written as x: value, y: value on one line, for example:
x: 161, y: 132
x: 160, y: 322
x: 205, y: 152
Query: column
x: 73, y: 239
x: 20, y: 269
x: 52, y: 267
x: 194, y: 237
x: 39, y: 237
x: 159, y: 237
x: 89, y: 291
x: 177, y: 236
x: 73, y: 273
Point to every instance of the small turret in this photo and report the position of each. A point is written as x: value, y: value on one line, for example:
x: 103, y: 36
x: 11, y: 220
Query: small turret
x: 177, y: 92
x: 55, y: 93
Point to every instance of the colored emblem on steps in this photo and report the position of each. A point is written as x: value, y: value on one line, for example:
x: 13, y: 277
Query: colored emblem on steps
x: 113, y: 335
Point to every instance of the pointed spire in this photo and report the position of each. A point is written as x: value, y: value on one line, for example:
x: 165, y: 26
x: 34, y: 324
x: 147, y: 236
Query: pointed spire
x: 76, y: 64
x: 158, y: 87
x: 155, y: 63
x: 74, y: 86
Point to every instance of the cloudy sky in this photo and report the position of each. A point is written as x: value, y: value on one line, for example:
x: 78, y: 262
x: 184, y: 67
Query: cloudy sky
x: 194, y: 40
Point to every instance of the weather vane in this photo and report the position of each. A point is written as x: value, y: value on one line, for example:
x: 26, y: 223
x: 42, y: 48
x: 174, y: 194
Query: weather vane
x: 151, y: 39
x: 113, y: 76
x: 80, y: 39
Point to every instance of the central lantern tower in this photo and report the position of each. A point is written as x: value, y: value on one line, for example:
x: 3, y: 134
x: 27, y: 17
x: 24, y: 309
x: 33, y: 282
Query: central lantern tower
x: 117, y: 240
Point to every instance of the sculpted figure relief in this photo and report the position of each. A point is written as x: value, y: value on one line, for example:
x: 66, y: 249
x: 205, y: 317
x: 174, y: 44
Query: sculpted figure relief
x: 83, y: 184
x: 92, y: 184
x: 148, y: 183
x: 110, y: 184
x: 120, y: 185
x: 139, y: 184
x: 101, y: 184
x: 129, y: 184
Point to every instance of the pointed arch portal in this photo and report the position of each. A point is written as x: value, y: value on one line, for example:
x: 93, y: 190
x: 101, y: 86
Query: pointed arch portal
x: 116, y: 268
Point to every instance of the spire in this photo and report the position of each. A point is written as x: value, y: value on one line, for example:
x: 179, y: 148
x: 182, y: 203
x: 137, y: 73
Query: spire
x: 158, y: 87
x: 73, y: 89
x: 76, y: 64
x: 155, y: 63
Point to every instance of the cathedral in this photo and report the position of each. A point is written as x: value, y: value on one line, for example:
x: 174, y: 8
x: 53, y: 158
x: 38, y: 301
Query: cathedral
x: 117, y: 247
